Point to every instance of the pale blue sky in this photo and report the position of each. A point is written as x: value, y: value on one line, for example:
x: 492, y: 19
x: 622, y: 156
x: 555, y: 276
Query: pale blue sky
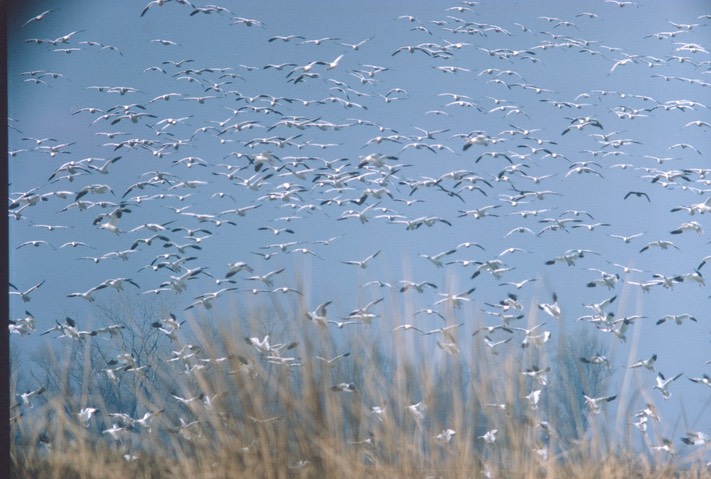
x: 47, y: 109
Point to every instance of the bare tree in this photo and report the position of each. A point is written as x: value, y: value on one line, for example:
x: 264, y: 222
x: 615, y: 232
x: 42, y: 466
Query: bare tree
x: 128, y: 354
x: 571, y: 378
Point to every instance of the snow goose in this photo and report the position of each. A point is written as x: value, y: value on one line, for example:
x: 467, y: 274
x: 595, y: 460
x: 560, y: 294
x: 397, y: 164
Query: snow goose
x: 663, y: 384
x: 645, y: 363
x: 593, y: 404
x: 86, y: 414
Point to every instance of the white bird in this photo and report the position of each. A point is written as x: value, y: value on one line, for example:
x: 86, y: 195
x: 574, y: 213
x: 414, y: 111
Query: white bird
x: 479, y: 212
x: 364, y: 313
x: 650, y: 411
x: 266, y: 278
x: 154, y: 3
x: 276, y: 231
x: 518, y: 285
x: 663, y: 384
x: 25, y: 295
x: 419, y: 287
x: 114, y: 330
x: 535, y: 340
x: 666, y: 446
x: 552, y: 309
x: 696, y: 438
x: 334, y: 63
x: 489, y: 436
x: 641, y: 424
x: 378, y: 412
x: 593, y: 404
x: 185, y: 429
x: 446, y: 331
x: 407, y: 327
x: 690, y: 226
x: 677, y: 318
x: 645, y: 363
x: 117, y: 283
x: 492, y: 329
x: 104, y: 168
x: 533, y: 398
x: 698, y: 122
x: 117, y: 432
x: 23, y: 326
x: 249, y: 22
x: 111, y: 224
x: 622, y: 4
x: 537, y: 374
x: 454, y: 299
x: 26, y: 396
x: 431, y: 312
x: 236, y: 267
x: 186, y: 352
x: 356, y: 46
x: 481, y: 139
x: 333, y: 359
x: 363, y: 264
x: 206, y: 299
x: 342, y: 324
x: 437, y: 258
x: 87, y: 295
x: 261, y: 345
x: 86, y: 414
x: 344, y: 387
x: 448, y: 347
x: 705, y: 379
x: 493, y: 344
x: 40, y: 17
x: 607, y: 279
x: 626, y: 239
x: 178, y: 283
x: 662, y: 244
x: 445, y: 437
x: 319, y: 315
x: 417, y: 411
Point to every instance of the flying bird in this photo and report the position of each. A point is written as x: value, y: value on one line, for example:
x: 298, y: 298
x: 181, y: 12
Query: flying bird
x: 318, y: 315
x: 663, y: 384
x: 552, y: 309
x: 638, y: 194
x: 25, y: 295
x: 362, y: 264
x: 593, y: 404
x: 645, y: 363
x: 28, y: 395
x: 40, y: 17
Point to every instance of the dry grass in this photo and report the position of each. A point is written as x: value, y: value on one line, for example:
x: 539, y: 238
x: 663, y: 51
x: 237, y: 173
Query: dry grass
x: 273, y: 421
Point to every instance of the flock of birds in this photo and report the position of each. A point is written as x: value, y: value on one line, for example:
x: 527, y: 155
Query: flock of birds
x: 224, y: 184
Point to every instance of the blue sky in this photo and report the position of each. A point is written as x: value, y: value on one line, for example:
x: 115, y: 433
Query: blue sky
x: 533, y: 52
